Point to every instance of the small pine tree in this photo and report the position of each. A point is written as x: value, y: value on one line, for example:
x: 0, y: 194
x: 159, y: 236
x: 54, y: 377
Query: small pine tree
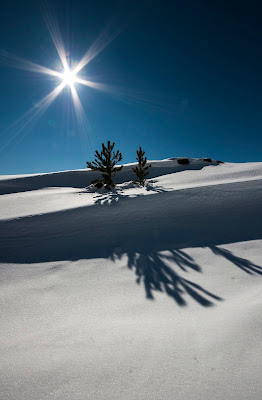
x: 141, y: 170
x: 105, y: 162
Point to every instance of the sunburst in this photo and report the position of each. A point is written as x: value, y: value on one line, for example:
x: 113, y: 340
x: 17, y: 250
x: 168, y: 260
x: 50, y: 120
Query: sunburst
x: 68, y: 77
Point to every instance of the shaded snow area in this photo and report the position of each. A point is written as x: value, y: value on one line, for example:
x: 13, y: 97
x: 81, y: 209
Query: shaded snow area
x: 135, y: 294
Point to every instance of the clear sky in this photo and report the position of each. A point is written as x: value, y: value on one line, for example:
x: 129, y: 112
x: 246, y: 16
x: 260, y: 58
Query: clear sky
x: 184, y: 78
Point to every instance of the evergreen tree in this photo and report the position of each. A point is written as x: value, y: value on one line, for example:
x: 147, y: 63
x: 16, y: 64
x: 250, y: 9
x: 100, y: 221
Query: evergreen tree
x: 141, y: 170
x: 105, y: 162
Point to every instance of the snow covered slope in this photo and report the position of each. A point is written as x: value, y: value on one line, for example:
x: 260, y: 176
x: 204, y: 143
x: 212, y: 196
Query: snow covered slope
x: 139, y: 293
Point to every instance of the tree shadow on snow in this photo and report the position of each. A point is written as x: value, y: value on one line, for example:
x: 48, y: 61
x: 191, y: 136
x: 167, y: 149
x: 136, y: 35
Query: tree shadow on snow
x: 153, y: 271
x: 113, y: 196
x: 150, y: 230
x: 242, y: 263
x: 109, y: 198
x: 158, y: 189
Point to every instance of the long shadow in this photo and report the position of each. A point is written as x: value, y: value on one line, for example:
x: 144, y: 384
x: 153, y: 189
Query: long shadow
x: 156, y: 275
x: 143, y: 227
x: 164, y: 221
x: 242, y: 263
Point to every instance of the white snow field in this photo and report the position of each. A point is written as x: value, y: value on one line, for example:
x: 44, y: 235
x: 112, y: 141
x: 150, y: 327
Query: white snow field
x: 148, y: 293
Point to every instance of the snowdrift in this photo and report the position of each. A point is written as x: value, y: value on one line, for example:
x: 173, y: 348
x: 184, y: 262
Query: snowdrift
x: 75, y: 322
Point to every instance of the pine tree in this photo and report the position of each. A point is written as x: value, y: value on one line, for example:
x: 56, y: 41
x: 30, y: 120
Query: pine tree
x: 141, y: 169
x: 105, y: 162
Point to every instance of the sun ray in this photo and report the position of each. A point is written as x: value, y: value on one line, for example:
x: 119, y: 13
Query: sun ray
x: 29, y: 119
x: 132, y: 97
x: 92, y: 84
x: 20, y: 63
x: 80, y: 113
x: 83, y: 124
x: 54, y: 31
x: 102, y: 41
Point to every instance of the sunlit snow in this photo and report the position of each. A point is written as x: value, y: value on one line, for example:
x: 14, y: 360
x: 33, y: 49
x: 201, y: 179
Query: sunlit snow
x: 138, y: 293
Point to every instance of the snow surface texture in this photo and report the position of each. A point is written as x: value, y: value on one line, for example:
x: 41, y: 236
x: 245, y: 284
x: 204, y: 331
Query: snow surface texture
x: 139, y: 293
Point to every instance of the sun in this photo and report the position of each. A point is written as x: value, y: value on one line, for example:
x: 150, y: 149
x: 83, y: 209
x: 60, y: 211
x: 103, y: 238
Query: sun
x: 69, y: 77
x: 65, y: 78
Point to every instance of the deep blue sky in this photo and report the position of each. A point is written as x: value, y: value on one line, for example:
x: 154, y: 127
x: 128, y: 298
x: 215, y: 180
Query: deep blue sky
x: 194, y: 67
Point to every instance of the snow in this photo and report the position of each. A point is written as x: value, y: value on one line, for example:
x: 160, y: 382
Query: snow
x: 140, y: 293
